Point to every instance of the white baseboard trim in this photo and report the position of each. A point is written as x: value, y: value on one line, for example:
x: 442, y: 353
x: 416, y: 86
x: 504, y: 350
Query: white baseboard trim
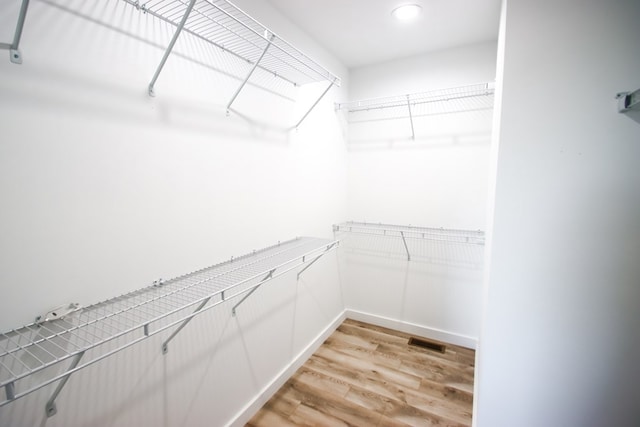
x: 270, y: 389
x: 414, y: 329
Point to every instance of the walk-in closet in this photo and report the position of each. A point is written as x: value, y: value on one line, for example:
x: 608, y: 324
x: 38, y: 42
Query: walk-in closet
x: 341, y: 212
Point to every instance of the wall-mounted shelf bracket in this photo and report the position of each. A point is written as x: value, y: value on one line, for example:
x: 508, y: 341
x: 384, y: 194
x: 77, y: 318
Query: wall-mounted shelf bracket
x: 333, y: 82
x: 413, y: 132
x: 170, y: 47
x: 628, y: 101
x: 14, y: 53
x: 405, y: 245
x: 266, y: 278
x: 50, y: 408
x: 269, y: 39
x: 165, y: 344
x: 315, y: 259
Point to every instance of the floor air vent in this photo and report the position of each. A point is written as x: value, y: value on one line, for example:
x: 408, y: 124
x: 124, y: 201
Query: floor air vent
x: 429, y: 345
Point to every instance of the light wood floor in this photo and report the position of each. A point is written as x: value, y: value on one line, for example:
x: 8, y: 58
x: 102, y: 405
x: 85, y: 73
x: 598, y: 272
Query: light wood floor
x: 364, y: 375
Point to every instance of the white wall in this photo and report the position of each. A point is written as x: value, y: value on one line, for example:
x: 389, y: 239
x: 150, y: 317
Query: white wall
x: 437, y: 180
x: 105, y: 189
x: 560, y: 345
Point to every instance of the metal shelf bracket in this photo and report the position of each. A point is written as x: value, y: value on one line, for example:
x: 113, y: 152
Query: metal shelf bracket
x: 50, y: 408
x: 405, y: 246
x: 316, y: 259
x: 255, y: 65
x: 413, y: 133
x: 165, y: 344
x: 315, y: 103
x: 14, y: 53
x: 170, y: 47
x: 266, y: 278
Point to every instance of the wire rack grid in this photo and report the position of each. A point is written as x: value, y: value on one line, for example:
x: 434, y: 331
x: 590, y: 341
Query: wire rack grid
x: 224, y: 25
x: 451, y: 247
x: 135, y: 316
x: 441, y: 101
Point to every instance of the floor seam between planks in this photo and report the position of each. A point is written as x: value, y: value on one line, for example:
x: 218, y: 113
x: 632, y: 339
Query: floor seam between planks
x: 366, y: 375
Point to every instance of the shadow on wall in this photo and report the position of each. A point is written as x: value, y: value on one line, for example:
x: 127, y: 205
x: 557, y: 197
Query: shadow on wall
x: 427, y: 142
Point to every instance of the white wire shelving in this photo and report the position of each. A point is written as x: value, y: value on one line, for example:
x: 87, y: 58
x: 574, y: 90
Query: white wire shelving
x: 34, y: 356
x: 463, y: 248
x: 226, y: 27
x: 410, y: 107
x: 15, y: 55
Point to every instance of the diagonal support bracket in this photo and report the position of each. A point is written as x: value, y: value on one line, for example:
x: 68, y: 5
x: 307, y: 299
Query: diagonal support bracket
x: 50, y: 408
x: 260, y: 283
x: 255, y: 65
x: 170, y: 47
x: 165, y: 344
x: 14, y: 53
x: 413, y: 133
x: 405, y: 246
x: 314, y: 104
x: 316, y: 259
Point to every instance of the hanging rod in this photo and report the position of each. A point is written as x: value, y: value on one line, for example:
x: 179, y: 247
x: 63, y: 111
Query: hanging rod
x: 134, y: 317
x: 15, y: 55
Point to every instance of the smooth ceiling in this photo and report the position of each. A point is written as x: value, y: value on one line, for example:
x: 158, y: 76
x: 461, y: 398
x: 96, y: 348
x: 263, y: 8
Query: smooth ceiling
x: 363, y: 32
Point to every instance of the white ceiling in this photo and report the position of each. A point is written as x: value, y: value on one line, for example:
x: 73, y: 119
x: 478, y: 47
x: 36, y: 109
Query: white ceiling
x: 363, y: 32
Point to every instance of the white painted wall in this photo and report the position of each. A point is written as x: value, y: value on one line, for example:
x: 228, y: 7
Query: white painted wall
x: 104, y: 189
x: 438, y: 180
x: 559, y: 345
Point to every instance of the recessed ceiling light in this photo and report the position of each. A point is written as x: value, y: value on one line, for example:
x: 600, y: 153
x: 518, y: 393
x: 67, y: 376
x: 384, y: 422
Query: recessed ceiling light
x: 406, y: 12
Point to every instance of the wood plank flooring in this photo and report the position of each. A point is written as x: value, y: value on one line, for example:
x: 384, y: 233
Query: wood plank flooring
x: 365, y: 375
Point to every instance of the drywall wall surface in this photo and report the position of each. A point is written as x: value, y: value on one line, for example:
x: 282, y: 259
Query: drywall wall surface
x: 105, y: 189
x: 560, y: 345
x: 438, y: 179
x: 437, y: 292
x: 435, y: 70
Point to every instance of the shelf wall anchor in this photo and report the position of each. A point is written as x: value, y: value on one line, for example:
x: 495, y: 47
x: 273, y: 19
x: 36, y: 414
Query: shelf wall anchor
x: 170, y: 47
x: 50, y: 408
x: 14, y: 53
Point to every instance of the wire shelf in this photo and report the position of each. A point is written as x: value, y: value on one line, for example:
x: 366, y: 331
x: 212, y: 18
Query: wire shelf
x: 453, y: 247
x: 107, y: 327
x: 227, y: 27
x: 456, y: 99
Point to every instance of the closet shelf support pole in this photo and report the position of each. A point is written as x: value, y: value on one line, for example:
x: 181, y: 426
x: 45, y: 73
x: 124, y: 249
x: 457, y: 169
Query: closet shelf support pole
x: 170, y: 47
x: 267, y: 277
x: 165, y: 344
x: 406, y: 248
x: 314, y: 104
x: 413, y: 133
x: 315, y: 259
x: 14, y: 54
x: 50, y: 408
x: 255, y: 65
